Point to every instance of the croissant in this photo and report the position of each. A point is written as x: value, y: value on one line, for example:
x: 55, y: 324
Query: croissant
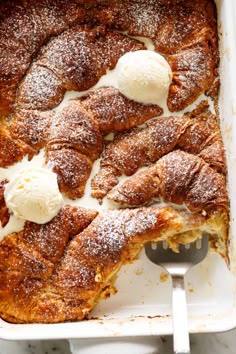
x: 193, y: 74
x: 172, y: 26
x: 196, y: 132
x: 184, y: 32
x: 76, y: 134
x: 101, y: 111
x: 55, y: 272
x: 58, y: 271
x: 114, y: 112
x: 75, y: 60
x: 24, y: 27
x: 178, y: 178
x: 12, y: 150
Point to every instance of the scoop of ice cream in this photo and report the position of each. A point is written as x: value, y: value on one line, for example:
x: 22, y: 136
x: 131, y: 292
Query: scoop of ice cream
x: 144, y: 76
x: 33, y: 195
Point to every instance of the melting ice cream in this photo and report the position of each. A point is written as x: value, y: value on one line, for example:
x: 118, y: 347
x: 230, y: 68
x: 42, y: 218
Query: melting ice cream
x: 144, y: 76
x: 33, y: 195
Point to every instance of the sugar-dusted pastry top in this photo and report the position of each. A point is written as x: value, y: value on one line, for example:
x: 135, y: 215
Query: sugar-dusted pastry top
x: 179, y: 178
x: 25, y: 27
x: 75, y: 60
x: 185, y: 32
x: 49, y: 47
x: 73, y: 138
x: 195, y: 132
x: 58, y: 271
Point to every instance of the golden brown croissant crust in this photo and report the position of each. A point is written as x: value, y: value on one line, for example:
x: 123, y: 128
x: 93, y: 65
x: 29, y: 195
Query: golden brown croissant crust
x: 196, y: 132
x: 58, y: 271
x: 185, y: 31
x: 74, y: 137
x: 178, y: 178
x: 71, y: 44
x: 74, y: 60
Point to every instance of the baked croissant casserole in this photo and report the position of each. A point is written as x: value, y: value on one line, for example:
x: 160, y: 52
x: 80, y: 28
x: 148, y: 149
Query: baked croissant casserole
x: 90, y: 93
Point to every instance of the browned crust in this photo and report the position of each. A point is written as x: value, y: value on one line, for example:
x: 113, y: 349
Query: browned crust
x: 50, y: 239
x: 114, y: 112
x: 178, y: 178
x: 75, y: 128
x: 31, y: 128
x: 57, y: 271
x: 72, y: 169
x: 193, y: 74
x: 12, y: 150
x: 39, y: 285
x: 196, y: 132
x: 40, y: 90
x: 173, y: 27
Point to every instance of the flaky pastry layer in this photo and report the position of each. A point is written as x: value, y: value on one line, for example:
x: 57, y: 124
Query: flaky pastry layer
x: 59, y: 271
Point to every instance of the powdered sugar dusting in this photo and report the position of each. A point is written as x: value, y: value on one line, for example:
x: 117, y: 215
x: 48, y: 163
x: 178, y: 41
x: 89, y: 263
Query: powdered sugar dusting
x: 63, y: 274
x: 74, y: 60
x: 109, y: 238
x: 192, y: 74
x: 179, y: 178
x: 145, y: 220
x: 40, y: 90
x: 81, y: 49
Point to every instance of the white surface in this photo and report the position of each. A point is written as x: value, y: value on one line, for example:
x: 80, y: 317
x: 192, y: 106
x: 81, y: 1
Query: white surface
x: 143, y: 303
x: 222, y: 343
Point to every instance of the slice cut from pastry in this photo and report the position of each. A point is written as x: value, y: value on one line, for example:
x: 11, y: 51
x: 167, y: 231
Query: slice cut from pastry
x: 50, y: 275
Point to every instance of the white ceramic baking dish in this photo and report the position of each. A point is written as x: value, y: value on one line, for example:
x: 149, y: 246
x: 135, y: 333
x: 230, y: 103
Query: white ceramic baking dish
x: 142, y: 305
